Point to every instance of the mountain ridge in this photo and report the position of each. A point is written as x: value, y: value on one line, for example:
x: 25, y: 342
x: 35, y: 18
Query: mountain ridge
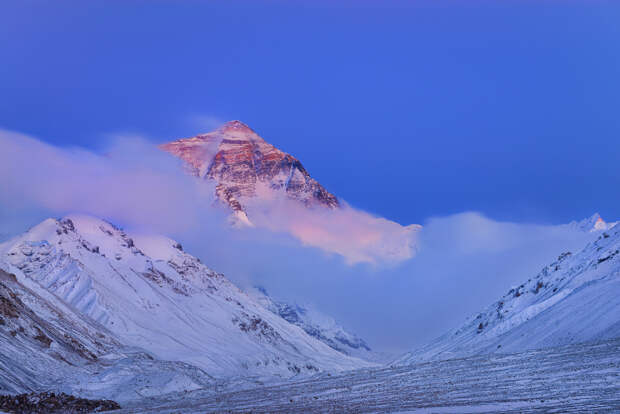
x: 574, y: 299
x: 152, y: 295
x: 244, y: 166
x: 320, y: 326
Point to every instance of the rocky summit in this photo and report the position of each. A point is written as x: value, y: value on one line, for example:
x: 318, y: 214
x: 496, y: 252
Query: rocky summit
x: 244, y: 167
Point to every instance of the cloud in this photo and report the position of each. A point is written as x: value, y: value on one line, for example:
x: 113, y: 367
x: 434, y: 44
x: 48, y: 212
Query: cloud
x: 204, y: 122
x: 357, y: 236
x: 382, y: 290
x: 133, y: 183
x: 465, y: 262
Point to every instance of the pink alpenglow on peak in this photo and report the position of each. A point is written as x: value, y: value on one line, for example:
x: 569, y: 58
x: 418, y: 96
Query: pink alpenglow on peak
x: 593, y: 224
x: 270, y: 189
x: 244, y: 167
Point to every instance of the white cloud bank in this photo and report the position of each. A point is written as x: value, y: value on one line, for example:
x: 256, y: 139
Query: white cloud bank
x: 136, y: 184
x: 464, y: 262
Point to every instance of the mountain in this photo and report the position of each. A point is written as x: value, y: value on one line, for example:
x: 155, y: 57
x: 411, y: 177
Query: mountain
x: 267, y: 188
x: 574, y: 299
x: 244, y: 166
x: 592, y: 224
x: 318, y: 325
x: 147, y: 293
x: 49, y: 346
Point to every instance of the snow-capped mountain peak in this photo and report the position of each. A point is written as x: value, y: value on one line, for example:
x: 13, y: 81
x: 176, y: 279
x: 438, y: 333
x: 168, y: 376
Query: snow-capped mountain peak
x: 267, y: 188
x: 153, y: 295
x: 237, y: 129
x: 245, y: 167
x: 592, y: 224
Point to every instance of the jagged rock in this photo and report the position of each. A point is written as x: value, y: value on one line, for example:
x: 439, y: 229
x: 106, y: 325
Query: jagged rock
x: 244, y: 166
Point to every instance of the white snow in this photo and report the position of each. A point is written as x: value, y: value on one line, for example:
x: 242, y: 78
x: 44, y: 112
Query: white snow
x: 154, y: 296
x: 574, y: 299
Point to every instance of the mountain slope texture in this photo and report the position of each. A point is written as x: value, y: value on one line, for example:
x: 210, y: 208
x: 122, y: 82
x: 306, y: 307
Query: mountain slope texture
x: 244, y: 166
x: 319, y: 325
x: 574, y: 299
x: 144, y: 293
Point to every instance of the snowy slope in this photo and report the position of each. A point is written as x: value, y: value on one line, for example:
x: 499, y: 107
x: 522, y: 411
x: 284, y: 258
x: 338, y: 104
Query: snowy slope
x: 574, y: 299
x: 154, y: 296
x: 592, y: 224
x: 47, y: 346
x: 319, y: 325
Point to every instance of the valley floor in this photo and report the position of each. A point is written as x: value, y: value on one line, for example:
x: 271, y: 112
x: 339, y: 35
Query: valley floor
x: 571, y: 379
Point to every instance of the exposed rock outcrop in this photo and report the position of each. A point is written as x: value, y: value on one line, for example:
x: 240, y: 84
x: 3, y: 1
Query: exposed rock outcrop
x: 244, y: 166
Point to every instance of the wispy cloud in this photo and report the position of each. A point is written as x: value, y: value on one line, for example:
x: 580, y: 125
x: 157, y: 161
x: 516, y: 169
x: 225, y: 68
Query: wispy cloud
x: 132, y: 183
x: 357, y: 236
x: 463, y: 262
x: 136, y: 184
x: 204, y: 122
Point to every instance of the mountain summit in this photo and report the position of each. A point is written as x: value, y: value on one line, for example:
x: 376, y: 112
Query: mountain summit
x: 245, y: 167
x: 267, y: 188
x: 592, y: 224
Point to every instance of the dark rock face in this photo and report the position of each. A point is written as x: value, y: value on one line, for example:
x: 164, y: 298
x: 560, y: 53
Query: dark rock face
x: 244, y: 166
x: 49, y: 402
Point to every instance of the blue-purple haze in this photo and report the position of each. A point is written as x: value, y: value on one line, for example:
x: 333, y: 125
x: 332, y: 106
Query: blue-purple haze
x: 406, y: 109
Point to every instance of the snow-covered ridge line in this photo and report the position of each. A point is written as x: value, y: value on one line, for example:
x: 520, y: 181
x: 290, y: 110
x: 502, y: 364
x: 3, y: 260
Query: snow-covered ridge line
x: 48, y: 346
x: 244, y: 166
x: 151, y: 294
x: 574, y: 299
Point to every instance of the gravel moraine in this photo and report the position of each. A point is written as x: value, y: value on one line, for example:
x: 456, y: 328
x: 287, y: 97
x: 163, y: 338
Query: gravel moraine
x: 569, y: 379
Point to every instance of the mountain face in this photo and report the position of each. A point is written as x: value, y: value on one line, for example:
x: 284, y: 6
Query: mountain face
x: 147, y: 293
x: 270, y: 189
x: 574, y: 299
x: 244, y: 166
x: 49, y: 346
x: 592, y: 224
x: 318, y: 325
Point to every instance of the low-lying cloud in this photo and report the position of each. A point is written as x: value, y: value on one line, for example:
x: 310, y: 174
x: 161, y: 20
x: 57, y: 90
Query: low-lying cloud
x: 136, y: 184
x: 372, y: 281
x: 132, y: 183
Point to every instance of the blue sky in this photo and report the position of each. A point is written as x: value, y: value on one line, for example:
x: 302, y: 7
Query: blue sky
x: 407, y: 109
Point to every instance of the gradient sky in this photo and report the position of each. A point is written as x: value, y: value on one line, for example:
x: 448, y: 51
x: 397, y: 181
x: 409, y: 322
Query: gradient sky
x: 407, y: 109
